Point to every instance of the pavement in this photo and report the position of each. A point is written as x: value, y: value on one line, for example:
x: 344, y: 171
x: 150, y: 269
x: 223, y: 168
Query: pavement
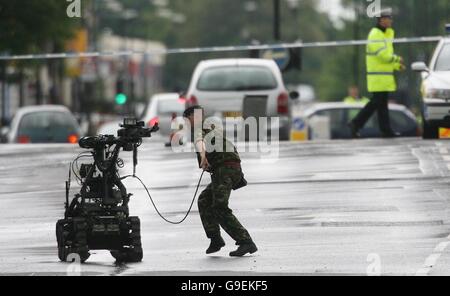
x: 364, y: 207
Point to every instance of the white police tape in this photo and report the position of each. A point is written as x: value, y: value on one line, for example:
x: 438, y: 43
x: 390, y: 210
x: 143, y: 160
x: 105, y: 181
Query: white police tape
x: 214, y: 49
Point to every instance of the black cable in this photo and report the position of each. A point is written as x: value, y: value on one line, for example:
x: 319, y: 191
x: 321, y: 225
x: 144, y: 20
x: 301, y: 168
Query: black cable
x: 156, y: 208
x: 75, y: 162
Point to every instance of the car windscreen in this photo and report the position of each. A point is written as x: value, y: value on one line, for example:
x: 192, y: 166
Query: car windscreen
x: 170, y: 106
x: 237, y: 78
x: 47, y: 126
x: 443, y: 61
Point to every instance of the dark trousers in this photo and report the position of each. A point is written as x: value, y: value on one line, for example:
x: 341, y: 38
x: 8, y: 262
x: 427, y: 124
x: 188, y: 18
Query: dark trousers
x: 214, y: 210
x: 379, y: 103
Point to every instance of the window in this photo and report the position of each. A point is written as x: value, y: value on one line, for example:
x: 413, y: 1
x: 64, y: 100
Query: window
x: 234, y: 78
x: 38, y: 124
x: 443, y: 61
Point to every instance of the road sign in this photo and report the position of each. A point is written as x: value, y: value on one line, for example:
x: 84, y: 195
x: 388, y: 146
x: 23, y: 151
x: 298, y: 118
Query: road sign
x: 299, y: 131
x: 281, y: 56
x: 299, y: 124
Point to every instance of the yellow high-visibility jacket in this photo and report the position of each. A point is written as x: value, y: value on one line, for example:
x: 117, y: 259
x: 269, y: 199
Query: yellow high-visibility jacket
x: 351, y: 100
x: 381, y: 61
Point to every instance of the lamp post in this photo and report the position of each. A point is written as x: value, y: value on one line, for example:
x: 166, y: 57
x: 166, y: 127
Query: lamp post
x: 294, y: 7
x: 250, y: 8
x: 3, y: 94
x: 356, y: 33
x: 276, y: 20
x: 127, y: 16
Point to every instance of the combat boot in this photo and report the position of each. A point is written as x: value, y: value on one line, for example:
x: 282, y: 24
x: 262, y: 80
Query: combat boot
x: 244, y: 249
x: 216, y: 245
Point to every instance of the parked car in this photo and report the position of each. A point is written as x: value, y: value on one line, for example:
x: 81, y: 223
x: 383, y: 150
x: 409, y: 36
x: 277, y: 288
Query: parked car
x: 435, y: 90
x: 42, y: 124
x: 109, y: 127
x: 242, y: 88
x: 402, y: 120
x: 163, y: 109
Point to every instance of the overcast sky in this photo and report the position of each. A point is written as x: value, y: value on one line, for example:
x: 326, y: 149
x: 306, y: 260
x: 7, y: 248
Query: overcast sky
x: 335, y: 10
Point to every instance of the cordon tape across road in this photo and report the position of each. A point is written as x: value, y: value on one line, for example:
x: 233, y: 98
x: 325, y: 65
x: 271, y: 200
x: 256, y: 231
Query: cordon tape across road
x: 214, y: 49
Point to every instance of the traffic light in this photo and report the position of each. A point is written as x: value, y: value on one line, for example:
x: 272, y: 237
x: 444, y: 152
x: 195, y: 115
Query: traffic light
x: 121, y: 97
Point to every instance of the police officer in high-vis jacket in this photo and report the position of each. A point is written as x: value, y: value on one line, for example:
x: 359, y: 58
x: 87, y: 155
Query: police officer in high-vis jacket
x: 382, y: 62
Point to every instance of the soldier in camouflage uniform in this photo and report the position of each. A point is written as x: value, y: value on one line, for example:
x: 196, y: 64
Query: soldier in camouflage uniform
x: 226, y: 174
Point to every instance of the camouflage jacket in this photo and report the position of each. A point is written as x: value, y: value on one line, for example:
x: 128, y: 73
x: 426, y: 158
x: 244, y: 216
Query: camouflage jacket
x: 219, y: 150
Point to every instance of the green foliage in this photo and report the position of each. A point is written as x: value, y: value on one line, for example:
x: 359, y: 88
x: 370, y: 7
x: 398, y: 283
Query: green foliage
x: 34, y: 25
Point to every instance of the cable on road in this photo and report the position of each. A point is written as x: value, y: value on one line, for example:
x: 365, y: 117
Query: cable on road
x: 156, y: 208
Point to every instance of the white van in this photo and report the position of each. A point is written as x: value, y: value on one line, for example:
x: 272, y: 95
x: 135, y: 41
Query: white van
x: 242, y: 88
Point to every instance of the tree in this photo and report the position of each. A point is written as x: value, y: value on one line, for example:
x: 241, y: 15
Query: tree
x: 34, y: 26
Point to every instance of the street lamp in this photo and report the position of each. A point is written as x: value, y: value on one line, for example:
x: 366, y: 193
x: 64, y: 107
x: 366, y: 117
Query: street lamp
x: 276, y: 20
x: 122, y: 97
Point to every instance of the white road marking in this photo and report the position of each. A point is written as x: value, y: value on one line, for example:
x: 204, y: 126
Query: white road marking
x: 432, y: 260
x: 441, y: 247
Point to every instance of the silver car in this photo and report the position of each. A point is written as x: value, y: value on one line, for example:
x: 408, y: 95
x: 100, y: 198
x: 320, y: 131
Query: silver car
x: 164, y: 109
x: 42, y: 124
x: 237, y: 89
x: 436, y: 90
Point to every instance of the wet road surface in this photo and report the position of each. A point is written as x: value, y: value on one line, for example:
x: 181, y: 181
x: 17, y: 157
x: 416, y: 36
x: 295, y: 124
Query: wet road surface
x: 345, y: 207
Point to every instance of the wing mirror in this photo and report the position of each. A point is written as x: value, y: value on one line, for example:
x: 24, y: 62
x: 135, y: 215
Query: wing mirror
x: 420, y: 67
x: 294, y: 95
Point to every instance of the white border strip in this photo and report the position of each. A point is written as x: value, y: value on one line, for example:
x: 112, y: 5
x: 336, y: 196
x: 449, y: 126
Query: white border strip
x: 214, y: 49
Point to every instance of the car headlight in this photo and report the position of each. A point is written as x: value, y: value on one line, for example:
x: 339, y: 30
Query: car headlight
x: 443, y: 94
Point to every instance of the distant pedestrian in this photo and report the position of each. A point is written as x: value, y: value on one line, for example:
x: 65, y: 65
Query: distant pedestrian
x: 381, y: 65
x: 354, y: 97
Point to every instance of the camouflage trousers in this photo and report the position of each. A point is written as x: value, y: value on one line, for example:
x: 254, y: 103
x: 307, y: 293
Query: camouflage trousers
x: 213, y: 206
